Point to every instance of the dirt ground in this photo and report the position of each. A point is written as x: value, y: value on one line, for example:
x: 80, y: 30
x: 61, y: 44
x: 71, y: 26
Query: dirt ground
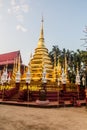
x: 25, y: 118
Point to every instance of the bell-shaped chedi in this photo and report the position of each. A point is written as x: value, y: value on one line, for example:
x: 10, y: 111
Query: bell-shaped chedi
x: 40, y: 59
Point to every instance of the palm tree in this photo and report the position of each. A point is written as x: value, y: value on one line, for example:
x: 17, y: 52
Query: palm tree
x: 54, y: 54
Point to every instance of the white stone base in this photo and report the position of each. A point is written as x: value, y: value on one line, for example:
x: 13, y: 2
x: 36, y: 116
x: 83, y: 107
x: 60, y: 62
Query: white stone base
x: 42, y: 102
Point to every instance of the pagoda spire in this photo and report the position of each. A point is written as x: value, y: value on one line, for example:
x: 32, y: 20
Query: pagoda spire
x: 41, y: 37
x: 42, y: 33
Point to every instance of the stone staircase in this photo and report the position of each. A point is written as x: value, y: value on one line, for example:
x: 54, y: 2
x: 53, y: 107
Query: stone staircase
x: 55, y: 96
x: 16, y: 95
x: 11, y: 94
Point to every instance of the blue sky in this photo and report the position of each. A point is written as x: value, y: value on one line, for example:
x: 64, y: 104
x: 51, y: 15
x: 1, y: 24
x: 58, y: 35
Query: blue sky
x: 20, y: 22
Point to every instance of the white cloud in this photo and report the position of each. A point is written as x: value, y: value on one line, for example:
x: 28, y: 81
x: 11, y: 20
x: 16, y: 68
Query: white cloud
x: 25, y: 8
x: 20, y: 27
x: 17, y: 9
x: 19, y: 5
x: 14, y: 10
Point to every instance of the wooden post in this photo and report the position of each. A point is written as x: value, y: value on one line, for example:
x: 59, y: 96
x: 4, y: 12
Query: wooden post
x: 3, y: 92
x: 86, y: 95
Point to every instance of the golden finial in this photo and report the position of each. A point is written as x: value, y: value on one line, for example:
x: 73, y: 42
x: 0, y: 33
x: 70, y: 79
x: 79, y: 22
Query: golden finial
x: 41, y: 38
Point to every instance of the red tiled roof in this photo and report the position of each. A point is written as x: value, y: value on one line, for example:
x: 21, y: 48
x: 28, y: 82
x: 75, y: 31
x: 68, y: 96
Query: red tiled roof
x: 8, y: 58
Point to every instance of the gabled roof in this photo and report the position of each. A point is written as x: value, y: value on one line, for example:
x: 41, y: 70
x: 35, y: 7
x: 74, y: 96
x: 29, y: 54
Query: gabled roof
x: 8, y: 58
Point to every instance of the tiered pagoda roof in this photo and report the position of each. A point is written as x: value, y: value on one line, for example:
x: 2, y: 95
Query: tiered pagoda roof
x: 40, y: 59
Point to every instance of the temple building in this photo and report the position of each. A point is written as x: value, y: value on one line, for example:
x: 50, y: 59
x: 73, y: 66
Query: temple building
x: 40, y: 81
x: 8, y: 60
x: 41, y: 59
x: 39, y: 62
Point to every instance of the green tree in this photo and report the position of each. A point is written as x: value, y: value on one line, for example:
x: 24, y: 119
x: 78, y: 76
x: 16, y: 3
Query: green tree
x: 54, y: 54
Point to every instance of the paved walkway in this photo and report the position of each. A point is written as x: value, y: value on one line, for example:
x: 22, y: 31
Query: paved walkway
x: 43, y: 104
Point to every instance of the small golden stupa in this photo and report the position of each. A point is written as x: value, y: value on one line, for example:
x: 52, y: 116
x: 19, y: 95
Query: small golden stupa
x: 15, y: 68
x: 40, y: 59
x: 66, y: 69
x: 59, y: 69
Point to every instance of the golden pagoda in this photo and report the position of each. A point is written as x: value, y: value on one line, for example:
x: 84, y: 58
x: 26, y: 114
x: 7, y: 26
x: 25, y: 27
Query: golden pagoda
x: 66, y: 69
x: 40, y: 59
x: 59, y: 69
x: 55, y: 69
x: 77, y: 76
x: 15, y: 68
